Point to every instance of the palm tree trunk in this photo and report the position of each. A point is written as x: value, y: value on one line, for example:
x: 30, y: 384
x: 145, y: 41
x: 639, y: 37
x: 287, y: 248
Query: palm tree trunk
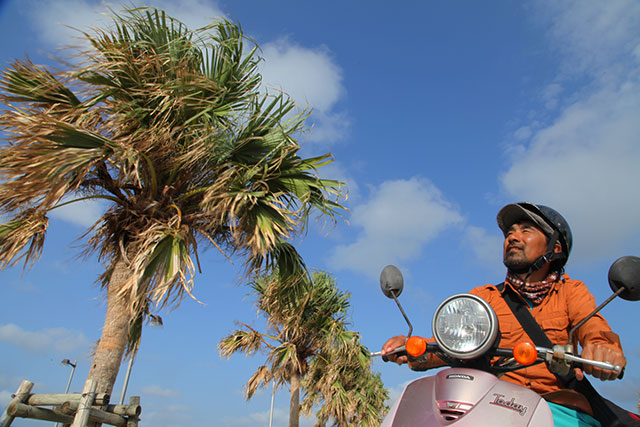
x: 110, y: 348
x: 294, y: 409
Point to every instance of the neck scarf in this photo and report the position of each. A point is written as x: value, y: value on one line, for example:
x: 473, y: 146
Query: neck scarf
x: 534, y: 291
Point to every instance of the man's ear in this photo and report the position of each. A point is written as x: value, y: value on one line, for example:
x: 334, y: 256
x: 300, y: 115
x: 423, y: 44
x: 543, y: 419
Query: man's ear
x: 557, y: 248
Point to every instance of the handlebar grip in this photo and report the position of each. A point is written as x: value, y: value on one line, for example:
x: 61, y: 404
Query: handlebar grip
x: 399, y: 353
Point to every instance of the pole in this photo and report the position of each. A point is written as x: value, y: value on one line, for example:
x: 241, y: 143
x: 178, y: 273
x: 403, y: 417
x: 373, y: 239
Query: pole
x: 73, y: 369
x: 126, y: 380
x: 21, y: 396
x: 273, y: 392
x: 84, y: 407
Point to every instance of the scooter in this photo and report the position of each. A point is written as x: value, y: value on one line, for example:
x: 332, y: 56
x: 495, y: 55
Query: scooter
x: 466, y: 334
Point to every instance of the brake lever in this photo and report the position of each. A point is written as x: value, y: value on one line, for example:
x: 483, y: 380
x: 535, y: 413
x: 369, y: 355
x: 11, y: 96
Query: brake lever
x: 548, y: 355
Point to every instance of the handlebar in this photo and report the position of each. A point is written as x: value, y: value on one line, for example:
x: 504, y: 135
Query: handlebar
x: 548, y: 354
x: 544, y: 355
x: 401, y: 349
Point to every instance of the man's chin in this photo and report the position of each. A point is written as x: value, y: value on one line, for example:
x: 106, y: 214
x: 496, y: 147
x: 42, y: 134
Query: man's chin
x: 517, y: 267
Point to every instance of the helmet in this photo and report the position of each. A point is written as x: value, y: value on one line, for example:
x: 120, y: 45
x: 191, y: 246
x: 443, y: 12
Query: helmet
x: 552, y: 224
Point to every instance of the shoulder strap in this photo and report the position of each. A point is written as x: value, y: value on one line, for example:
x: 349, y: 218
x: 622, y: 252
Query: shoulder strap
x: 525, y: 318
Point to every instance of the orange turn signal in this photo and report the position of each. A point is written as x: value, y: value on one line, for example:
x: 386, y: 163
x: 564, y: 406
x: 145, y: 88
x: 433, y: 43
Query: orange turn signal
x: 416, y: 346
x: 525, y: 353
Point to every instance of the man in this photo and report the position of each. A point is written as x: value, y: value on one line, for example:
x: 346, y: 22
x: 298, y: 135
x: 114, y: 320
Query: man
x: 537, y: 243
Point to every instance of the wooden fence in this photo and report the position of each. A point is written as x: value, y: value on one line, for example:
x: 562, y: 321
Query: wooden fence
x: 75, y: 409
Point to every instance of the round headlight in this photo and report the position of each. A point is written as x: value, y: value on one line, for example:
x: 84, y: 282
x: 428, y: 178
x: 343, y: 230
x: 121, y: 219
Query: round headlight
x: 465, y: 326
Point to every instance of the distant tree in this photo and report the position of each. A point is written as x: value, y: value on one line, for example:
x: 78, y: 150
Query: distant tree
x: 341, y: 384
x: 307, y: 335
x: 170, y: 128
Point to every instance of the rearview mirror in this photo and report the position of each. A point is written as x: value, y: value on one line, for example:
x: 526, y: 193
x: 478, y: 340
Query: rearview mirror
x: 625, y: 273
x: 391, y: 281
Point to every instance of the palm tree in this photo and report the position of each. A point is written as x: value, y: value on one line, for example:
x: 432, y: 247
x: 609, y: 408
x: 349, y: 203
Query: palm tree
x: 301, y: 332
x: 170, y: 128
x: 341, y: 383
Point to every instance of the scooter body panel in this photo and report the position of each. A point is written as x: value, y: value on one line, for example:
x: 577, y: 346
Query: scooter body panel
x: 467, y: 397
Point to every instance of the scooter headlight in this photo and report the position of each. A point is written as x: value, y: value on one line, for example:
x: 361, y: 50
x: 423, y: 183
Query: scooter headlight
x: 465, y: 326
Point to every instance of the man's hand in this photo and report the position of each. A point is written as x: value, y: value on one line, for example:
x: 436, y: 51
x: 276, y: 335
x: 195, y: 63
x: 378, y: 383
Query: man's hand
x: 601, y: 353
x: 392, y: 344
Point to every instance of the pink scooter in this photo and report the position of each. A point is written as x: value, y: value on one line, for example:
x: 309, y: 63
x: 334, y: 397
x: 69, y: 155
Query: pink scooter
x: 469, y: 393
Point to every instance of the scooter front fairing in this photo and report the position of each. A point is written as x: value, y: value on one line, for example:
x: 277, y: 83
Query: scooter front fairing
x: 467, y: 397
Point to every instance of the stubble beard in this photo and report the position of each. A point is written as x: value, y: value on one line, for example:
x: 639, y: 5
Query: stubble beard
x: 516, y: 263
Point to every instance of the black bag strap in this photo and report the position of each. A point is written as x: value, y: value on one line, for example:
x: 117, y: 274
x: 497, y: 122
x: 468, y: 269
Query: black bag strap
x: 528, y: 323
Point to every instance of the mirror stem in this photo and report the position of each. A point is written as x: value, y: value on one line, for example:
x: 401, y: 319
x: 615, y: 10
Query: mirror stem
x: 393, y: 294
x: 583, y: 321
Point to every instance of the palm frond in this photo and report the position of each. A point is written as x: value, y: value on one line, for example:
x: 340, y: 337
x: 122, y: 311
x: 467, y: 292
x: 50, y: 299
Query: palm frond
x: 25, y: 82
x: 285, y: 356
x: 260, y: 378
x: 28, y: 229
x: 247, y: 342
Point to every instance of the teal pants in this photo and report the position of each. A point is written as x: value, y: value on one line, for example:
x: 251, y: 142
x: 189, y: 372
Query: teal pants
x: 565, y: 417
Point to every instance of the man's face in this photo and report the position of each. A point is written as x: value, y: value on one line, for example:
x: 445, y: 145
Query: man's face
x: 523, y: 244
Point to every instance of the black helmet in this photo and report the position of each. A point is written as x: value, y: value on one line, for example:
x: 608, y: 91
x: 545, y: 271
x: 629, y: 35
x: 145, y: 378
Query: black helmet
x: 552, y: 224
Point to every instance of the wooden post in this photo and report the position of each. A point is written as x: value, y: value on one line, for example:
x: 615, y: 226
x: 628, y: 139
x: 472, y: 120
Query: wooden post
x: 21, y: 395
x: 59, y: 399
x: 71, y: 407
x: 132, y: 421
x: 17, y: 409
x: 84, y: 409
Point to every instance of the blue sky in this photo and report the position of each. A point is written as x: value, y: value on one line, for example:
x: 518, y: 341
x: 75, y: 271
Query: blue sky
x: 437, y: 114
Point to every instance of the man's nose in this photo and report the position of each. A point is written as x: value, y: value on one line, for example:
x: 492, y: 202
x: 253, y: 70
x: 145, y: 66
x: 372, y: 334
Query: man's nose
x: 513, y: 237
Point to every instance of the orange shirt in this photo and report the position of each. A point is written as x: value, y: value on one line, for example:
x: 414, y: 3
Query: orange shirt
x: 568, y: 302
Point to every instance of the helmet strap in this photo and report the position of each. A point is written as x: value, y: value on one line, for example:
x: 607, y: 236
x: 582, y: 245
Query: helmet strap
x: 549, y: 256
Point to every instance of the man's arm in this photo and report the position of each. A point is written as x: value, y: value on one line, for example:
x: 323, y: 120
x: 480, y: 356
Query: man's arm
x: 598, y: 341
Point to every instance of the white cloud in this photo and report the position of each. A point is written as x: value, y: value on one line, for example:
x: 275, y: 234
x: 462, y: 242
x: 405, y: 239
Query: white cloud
x: 592, y: 35
x: 312, y: 78
x: 51, y: 20
x: 522, y: 133
x: 327, y: 128
x: 83, y: 214
x: 400, y: 218
x: 551, y: 94
x: 60, y: 340
x: 584, y: 161
x: 156, y: 390
x: 585, y: 164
